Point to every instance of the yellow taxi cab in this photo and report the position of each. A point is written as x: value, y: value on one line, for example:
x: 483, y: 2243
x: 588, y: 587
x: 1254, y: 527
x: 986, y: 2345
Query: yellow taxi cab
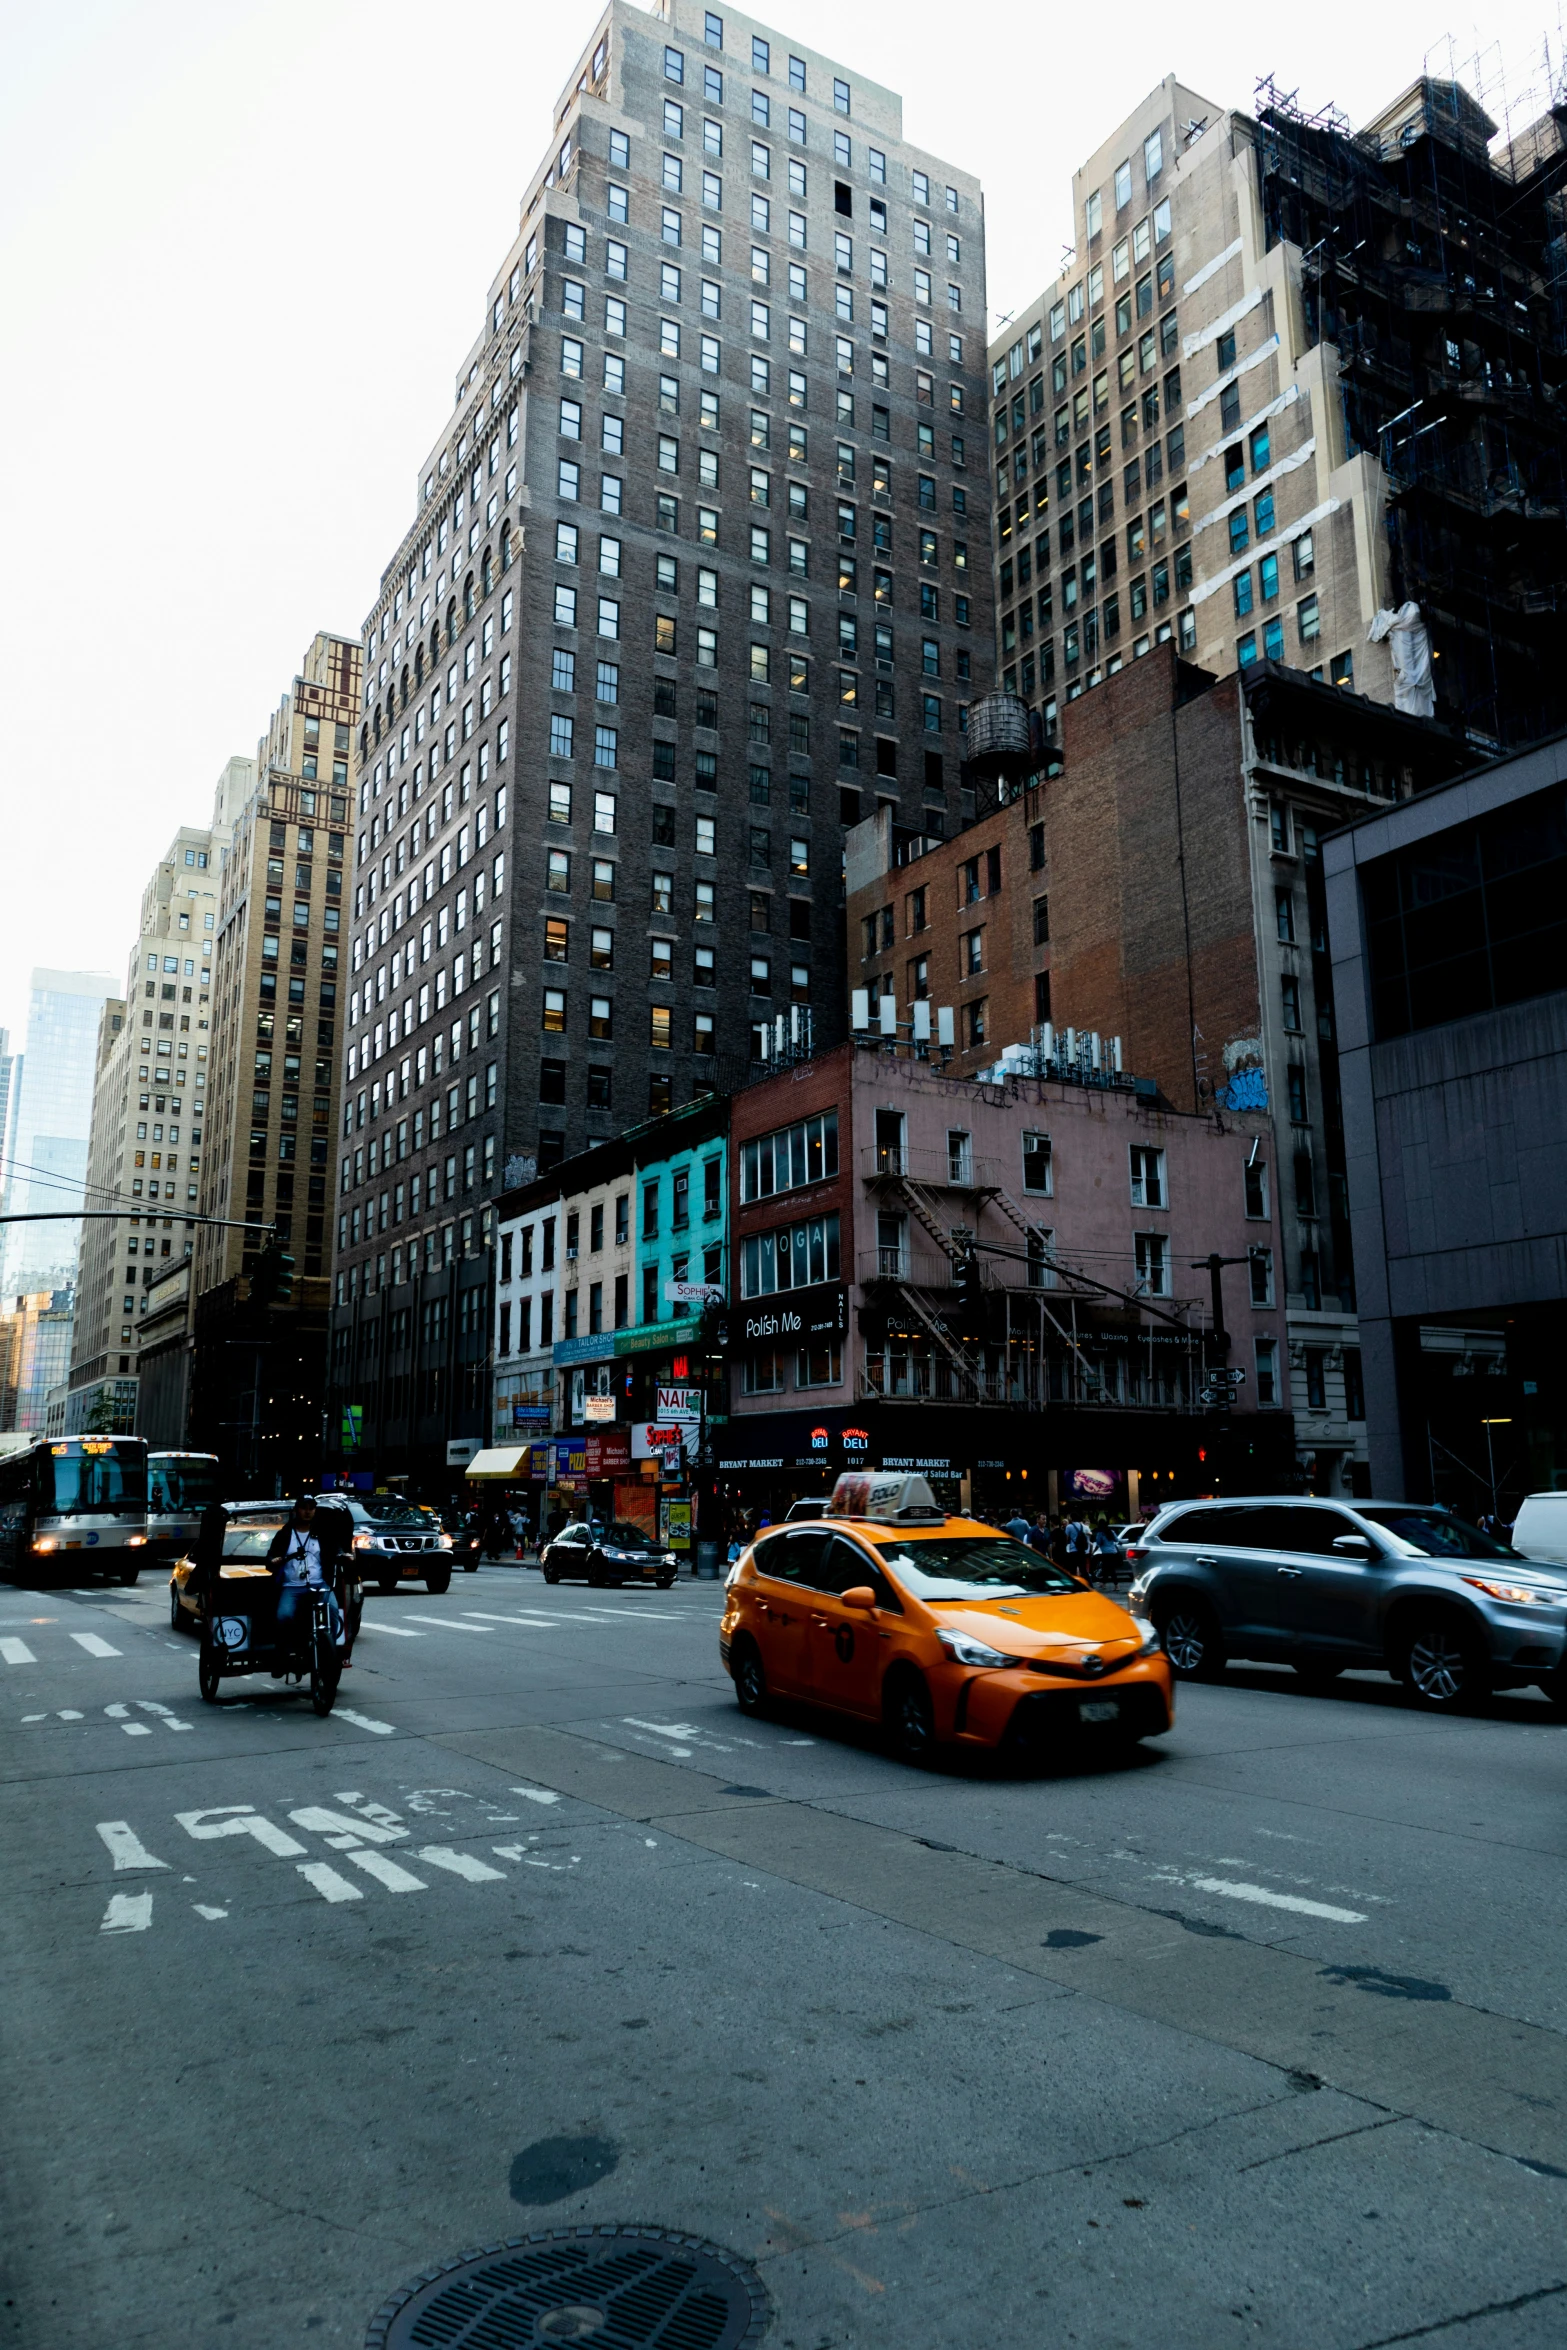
x: 941, y: 1629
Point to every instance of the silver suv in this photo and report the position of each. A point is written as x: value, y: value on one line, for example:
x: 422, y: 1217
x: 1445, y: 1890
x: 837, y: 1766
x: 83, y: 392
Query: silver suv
x: 1324, y: 1585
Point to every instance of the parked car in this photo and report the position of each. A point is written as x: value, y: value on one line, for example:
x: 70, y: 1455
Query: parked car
x: 1540, y: 1528
x: 1323, y: 1586
x: 616, y: 1553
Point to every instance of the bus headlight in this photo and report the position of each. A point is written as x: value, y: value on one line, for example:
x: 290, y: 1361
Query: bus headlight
x: 134, y: 1541
x: 45, y: 1542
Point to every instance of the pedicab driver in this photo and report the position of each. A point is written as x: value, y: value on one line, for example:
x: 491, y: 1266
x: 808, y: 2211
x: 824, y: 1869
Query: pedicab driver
x: 303, y: 1554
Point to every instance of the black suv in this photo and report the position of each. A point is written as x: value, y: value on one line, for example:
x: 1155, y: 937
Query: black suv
x: 1322, y: 1586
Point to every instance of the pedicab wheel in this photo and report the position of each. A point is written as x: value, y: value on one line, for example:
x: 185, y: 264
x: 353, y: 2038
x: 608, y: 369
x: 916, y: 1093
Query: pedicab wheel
x: 325, y: 1670
x: 208, y: 1675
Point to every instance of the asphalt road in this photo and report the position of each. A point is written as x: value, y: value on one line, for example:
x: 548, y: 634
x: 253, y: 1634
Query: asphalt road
x: 1258, y: 2037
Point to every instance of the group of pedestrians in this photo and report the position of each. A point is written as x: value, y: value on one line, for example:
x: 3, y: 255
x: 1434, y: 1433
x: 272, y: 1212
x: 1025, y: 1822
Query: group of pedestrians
x: 1082, y: 1549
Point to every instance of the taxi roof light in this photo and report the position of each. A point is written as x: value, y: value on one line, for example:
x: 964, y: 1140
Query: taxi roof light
x: 892, y: 1496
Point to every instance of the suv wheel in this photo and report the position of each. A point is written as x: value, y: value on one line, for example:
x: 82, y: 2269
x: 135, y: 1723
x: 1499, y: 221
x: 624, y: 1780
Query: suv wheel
x: 1189, y: 1632
x: 1442, y: 1665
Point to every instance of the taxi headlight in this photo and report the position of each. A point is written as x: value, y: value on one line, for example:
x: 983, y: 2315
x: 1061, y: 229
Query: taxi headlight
x: 1150, y: 1637
x: 1139, y: 1590
x: 966, y: 1651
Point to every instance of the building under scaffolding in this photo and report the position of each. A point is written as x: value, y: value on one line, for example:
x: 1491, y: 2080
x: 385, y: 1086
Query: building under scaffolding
x: 1437, y: 268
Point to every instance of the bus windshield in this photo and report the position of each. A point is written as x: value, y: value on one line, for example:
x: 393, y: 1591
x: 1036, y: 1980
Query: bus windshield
x: 93, y: 1473
x: 182, y: 1480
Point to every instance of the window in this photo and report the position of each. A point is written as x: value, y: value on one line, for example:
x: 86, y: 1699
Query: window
x: 1261, y: 1270
x: 1153, y: 156
x: 1038, y: 1174
x: 1152, y: 1255
x: 1256, y: 1190
x: 1289, y: 990
x: 1308, y: 620
x: 1147, y: 1169
x: 1267, y: 1361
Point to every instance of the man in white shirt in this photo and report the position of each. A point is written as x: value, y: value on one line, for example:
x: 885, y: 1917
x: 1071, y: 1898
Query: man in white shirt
x: 296, y: 1557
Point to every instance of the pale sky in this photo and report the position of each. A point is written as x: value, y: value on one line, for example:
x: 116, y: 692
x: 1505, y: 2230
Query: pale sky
x: 243, y: 245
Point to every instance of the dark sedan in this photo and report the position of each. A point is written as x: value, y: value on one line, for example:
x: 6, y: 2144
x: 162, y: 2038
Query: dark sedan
x: 618, y: 1553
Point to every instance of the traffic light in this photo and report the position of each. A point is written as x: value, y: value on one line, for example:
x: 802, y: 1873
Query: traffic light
x: 272, y: 1282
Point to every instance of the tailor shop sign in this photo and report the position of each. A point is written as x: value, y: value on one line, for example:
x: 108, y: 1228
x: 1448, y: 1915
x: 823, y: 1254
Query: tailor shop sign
x: 795, y: 1317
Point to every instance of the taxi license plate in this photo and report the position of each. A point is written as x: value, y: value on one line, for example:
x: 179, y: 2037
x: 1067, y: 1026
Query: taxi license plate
x: 1099, y: 1709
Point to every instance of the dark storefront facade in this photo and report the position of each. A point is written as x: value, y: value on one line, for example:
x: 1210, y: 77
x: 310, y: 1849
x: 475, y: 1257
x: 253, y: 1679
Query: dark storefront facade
x: 996, y: 1461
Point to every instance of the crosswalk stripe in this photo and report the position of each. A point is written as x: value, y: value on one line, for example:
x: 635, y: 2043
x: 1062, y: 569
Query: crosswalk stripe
x: 398, y: 1631
x: 343, y: 1713
x: 17, y: 1652
x: 94, y: 1644
x: 446, y: 1623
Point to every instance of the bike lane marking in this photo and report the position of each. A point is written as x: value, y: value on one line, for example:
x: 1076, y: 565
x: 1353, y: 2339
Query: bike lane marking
x: 127, y: 1913
x: 126, y: 1848
x: 388, y: 1873
x: 343, y: 1713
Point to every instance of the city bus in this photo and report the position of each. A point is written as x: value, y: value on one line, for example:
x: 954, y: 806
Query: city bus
x: 78, y: 1503
x: 179, y: 1487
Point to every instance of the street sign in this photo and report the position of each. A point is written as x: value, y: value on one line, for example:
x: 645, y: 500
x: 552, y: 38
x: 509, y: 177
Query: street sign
x: 694, y: 1293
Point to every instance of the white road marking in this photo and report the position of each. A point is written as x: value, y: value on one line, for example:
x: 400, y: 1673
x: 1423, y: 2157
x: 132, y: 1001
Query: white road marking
x: 17, y: 1652
x: 460, y: 1864
x: 371, y: 1811
x: 170, y: 1721
x: 237, y: 1819
x: 387, y: 1872
x: 126, y: 1847
x: 397, y: 1631
x: 340, y: 1831
x: 1269, y: 1900
x: 68, y: 1715
x: 40, y: 1717
x: 116, y: 1713
x: 136, y: 1729
x: 473, y: 1615
x: 343, y: 1713
x: 127, y: 1913
x: 205, y: 1910
x: 537, y: 1794
x: 328, y: 1883
x: 445, y: 1623
x: 94, y: 1644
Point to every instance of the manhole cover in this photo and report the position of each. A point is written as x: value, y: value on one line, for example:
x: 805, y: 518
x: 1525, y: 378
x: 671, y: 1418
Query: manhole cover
x: 619, y: 2288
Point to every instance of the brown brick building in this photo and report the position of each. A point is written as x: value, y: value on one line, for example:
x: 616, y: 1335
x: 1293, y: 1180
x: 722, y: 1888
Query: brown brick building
x: 1165, y: 887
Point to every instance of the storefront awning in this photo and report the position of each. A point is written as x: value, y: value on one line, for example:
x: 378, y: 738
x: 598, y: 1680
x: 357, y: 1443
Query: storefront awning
x: 503, y: 1461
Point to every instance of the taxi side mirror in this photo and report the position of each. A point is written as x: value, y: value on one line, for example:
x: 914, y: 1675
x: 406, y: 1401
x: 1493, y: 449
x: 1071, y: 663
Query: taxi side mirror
x: 861, y: 1597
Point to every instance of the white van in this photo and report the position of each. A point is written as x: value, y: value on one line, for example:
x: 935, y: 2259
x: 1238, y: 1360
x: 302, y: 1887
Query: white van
x: 1540, y: 1528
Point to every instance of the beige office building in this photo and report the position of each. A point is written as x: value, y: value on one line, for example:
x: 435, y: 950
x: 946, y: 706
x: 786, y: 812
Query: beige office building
x: 149, y: 1102
x: 1294, y: 376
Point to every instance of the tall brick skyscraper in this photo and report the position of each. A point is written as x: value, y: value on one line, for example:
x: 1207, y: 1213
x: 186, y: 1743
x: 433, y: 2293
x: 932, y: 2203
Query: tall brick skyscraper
x: 700, y: 571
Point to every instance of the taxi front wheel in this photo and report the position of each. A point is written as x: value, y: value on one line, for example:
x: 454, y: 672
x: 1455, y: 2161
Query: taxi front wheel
x: 910, y: 1718
x: 749, y: 1678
